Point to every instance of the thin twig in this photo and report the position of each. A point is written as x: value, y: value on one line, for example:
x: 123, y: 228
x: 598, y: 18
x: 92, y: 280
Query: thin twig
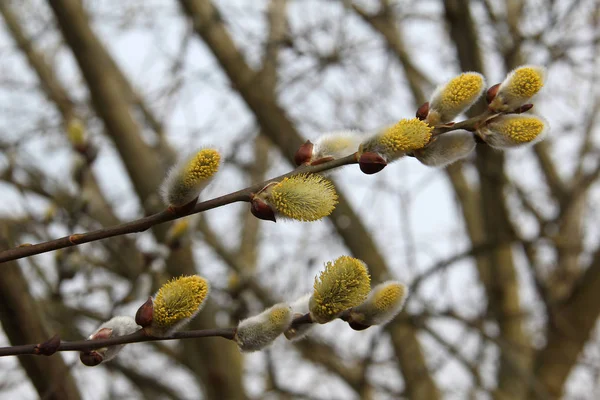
x: 54, y: 344
x: 145, y: 223
x: 136, y: 337
x: 169, y: 214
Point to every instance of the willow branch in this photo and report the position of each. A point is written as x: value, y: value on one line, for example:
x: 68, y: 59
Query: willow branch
x: 54, y: 344
x: 47, y: 348
x: 169, y: 214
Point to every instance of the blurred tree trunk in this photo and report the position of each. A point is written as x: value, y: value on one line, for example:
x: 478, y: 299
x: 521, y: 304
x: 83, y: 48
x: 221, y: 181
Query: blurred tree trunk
x: 217, y: 363
x: 24, y: 323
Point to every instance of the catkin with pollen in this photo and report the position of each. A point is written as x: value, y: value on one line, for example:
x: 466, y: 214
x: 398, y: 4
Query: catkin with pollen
x: 305, y: 197
x: 177, y: 302
x: 395, y: 141
x: 384, y: 302
x: 186, y: 180
x: 455, y: 97
x: 257, y: 332
x: 513, y: 130
x: 343, y: 284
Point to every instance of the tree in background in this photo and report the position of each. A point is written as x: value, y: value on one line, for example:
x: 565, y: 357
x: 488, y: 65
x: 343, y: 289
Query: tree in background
x: 499, y: 251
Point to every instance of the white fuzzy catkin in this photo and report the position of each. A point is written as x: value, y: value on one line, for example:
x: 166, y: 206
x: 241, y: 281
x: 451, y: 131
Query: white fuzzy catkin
x: 384, y: 302
x: 119, y: 326
x: 257, y: 332
x: 518, y: 87
x: 446, y: 149
x: 336, y: 144
x: 454, y: 97
x: 189, y: 177
x: 513, y: 130
x: 299, y: 308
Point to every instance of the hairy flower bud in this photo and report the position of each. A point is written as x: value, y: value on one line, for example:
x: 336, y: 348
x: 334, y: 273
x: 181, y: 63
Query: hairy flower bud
x: 177, y: 302
x: 344, y: 283
x: 177, y: 231
x: 116, y: 326
x: 257, y: 332
x: 446, y: 149
x: 335, y: 145
x: 519, y: 86
x: 455, y: 97
x: 305, y: 197
x: 512, y: 130
x: 394, y: 142
x: 77, y: 134
x: 300, y: 308
x: 186, y: 179
x: 384, y: 302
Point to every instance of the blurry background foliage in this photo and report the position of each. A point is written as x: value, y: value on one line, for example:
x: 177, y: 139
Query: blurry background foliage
x: 99, y: 97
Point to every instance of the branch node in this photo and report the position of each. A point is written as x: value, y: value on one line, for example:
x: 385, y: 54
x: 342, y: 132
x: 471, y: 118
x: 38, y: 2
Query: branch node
x: 48, y: 347
x: 75, y: 238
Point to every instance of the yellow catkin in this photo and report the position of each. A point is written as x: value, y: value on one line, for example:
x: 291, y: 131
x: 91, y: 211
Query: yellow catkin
x: 178, y: 229
x: 76, y: 132
x: 388, y: 296
x: 523, y: 130
x: 343, y: 284
x: 186, y: 180
x: 462, y: 90
x: 525, y: 82
x: 257, y: 332
x: 384, y: 302
x: 406, y: 135
x: 303, y: 197
x: 201, y: 167
x: 512, y: 130
x: 278, y: 316
x: 519, y: 86
x: 178, y: 300
x: 455, y: 97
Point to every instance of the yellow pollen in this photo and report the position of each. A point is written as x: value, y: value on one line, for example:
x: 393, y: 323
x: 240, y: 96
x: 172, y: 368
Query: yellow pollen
x: 406, y: 135
x: 388, y: 296
x: 345, y: 283
x: 461, y: 91
x: 201, y: 167
x: 179, y: 299
x: 525, y: 82
x: 303, y: 197
x: 523, y: 130
x: 279, y: 315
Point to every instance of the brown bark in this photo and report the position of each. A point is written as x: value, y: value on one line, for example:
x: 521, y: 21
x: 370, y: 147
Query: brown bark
x: 570, y: 329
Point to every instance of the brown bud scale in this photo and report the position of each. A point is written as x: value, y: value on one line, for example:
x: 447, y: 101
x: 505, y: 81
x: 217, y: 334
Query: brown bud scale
x: 371, y: 163
x: 144, y: 315
x: 49, y: 347
x: 491, y: 93
x: 304, y: 153
x: 262, y: 210
x: 423, y: 111
x: 91, y: 358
